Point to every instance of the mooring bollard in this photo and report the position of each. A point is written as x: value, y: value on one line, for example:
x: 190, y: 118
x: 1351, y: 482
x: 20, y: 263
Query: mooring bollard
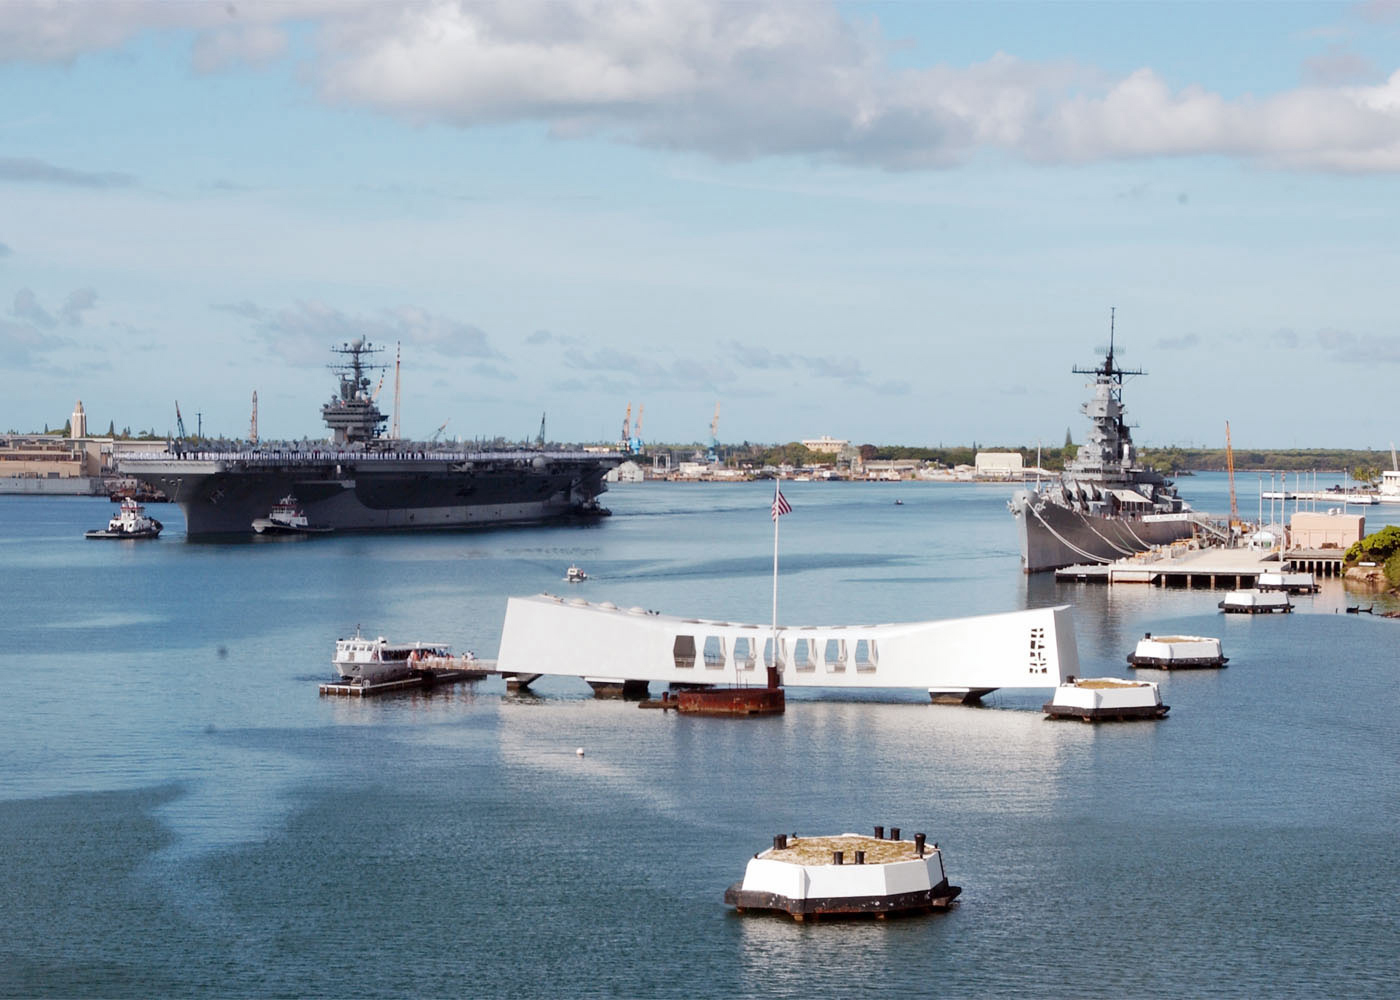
x: 879, y: 833
x: 780, y: 842
x: 919, y: 840
x: 860, y: 857
x: 894, y: 833
x: 837, y: 858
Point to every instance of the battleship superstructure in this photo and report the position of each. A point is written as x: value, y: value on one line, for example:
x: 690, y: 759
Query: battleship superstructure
x: 362, y: 481
x: 1104, y: 506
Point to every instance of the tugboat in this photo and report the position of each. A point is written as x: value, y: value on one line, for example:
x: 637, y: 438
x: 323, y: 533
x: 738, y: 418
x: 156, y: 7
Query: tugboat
x: 129, y: 522
x: 287, y: 518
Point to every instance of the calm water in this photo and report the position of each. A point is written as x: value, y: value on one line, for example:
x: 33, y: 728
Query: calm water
x: 180, y: 813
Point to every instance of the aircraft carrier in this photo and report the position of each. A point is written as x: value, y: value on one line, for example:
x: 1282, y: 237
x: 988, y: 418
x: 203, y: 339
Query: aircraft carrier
x: 362, y: 481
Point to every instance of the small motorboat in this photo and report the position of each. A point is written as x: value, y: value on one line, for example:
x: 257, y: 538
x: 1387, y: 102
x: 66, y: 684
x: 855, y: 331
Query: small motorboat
x: 287, y: 518
x: 129, y: 522
x: 575, y: 575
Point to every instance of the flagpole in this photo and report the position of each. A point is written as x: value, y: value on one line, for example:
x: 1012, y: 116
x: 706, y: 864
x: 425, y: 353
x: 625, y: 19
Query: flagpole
x: 777, y: 492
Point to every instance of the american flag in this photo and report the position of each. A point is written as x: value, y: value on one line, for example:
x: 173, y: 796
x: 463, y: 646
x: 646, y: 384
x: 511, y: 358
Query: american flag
x: 780, y: 505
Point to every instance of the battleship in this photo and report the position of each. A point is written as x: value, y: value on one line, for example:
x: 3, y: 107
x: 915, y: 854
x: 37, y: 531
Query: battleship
x: 360, y: 480
x: 1105, y: 505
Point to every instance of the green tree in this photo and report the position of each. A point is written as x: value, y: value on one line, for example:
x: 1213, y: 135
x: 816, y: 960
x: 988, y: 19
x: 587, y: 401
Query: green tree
x: 1069, y: 439
x: 1367, y: 474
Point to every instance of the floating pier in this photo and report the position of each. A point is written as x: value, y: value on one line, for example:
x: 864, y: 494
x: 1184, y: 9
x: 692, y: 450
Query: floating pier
x: 1206, y: 568
x: 414, y: 682
x: 849, y: 875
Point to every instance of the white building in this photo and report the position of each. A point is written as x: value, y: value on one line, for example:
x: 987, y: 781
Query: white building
x: 998, y: 465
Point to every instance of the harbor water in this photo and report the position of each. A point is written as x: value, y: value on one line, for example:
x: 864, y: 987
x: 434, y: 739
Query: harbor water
x: 181, y: 814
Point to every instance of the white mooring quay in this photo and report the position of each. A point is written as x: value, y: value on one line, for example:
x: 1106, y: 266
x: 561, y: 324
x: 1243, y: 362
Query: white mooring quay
x: 624, y: 649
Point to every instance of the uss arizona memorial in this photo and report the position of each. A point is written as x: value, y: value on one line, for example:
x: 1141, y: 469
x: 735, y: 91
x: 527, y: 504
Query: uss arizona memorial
x: 624, y: 649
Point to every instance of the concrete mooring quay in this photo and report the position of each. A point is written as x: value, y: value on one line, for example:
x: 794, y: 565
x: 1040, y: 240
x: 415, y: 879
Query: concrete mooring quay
x: 1206, y: 568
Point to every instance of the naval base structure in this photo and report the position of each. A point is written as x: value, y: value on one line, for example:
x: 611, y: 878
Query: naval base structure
x: 360, y: 481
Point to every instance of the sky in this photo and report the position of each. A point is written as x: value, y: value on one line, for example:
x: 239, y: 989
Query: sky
x: 895, y: 223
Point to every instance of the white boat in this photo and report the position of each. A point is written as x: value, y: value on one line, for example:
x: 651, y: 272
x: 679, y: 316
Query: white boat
x: 1177, y: 652
x: 130, y: 521
x: 850, y: 875
x: 287, y: 518
x: 1255, y: 602
x: 374, y: 661
x: 574, y: 575
x: 1100, y: 699
x: 1292, y: 583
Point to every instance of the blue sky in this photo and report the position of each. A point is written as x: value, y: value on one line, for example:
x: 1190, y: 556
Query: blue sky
x: 889, y: 222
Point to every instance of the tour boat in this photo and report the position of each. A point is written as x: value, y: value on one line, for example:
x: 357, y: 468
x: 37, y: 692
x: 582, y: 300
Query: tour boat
x: 287, y: 518
x: 374, y: 661
x: 1177, y: 652
x: 130, y: 521
x: 849, y: 875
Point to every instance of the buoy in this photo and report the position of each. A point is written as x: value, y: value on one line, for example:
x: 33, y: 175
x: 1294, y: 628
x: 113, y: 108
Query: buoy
x: 579, y: 751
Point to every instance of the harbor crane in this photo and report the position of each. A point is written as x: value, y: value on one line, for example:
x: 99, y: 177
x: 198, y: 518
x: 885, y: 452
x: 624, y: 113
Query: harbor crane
x: 713, y: 455
x: 253, y: 425
x: 179, y: 423
x: 626, y: 429
x: 539, y: 440
x: 1230, y: 467
x: 442, y: 427
x: 636, y: 446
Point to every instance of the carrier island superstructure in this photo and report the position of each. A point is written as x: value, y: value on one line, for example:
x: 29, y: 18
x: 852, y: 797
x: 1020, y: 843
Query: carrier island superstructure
x: 361, y: 481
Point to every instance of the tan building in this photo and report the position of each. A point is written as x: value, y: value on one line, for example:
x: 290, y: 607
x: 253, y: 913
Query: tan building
x: 825, y: 445
x: 1318, y: 530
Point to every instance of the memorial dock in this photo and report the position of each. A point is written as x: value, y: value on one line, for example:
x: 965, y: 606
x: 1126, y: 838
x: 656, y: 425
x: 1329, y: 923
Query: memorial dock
x: 1205, y: 568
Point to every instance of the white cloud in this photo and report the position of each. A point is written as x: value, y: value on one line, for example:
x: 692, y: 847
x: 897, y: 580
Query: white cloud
x: 740, y: 80
x: 300, y: 333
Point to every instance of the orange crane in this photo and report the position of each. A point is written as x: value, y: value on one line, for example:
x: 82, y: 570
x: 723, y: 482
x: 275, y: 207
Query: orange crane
x: 1230, y: 466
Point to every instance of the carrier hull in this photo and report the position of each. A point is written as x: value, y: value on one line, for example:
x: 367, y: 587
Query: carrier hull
x: 358, y: 491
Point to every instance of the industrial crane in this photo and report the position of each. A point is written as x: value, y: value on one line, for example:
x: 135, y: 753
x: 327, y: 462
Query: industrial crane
x: 539, y: 441
x: 627, y: 429
x: 713, y: 456
x: 1230, y: 467
x: 438, y: 433
x: 636, y: 447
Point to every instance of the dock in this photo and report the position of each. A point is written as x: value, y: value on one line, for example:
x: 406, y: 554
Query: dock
x: 1205, y: 568
x: 415, y: 682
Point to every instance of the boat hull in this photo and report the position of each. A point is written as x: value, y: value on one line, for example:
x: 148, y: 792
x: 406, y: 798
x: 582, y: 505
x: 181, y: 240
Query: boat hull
x: 358, y: 492
x: 1053, y: 536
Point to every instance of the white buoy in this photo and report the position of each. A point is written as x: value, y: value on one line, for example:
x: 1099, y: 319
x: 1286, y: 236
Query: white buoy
x: 579, y: 751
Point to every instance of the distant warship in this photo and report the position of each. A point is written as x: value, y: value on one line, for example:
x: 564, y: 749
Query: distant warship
x: 1104, y: 506
x: 361, y: 481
